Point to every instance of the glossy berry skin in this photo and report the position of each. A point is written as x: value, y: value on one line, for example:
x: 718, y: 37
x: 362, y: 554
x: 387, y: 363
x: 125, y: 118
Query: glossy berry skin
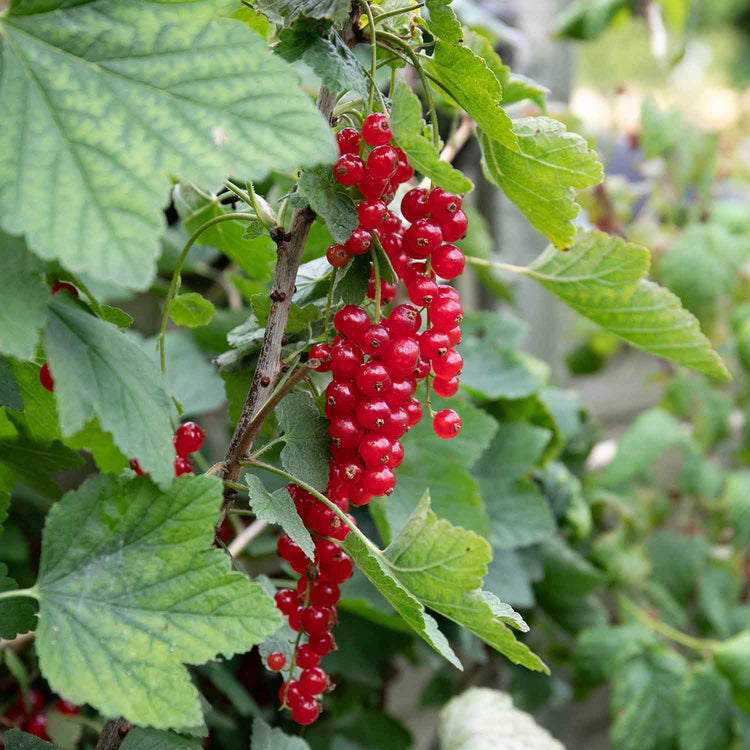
x: 391, y: 223
x: 189, y: 438
x: 447, y: 424
x: 36, y: 725
x: 337, y: 256
x: 66, y: 707
x: 182, y: 465
x: 359, y: 496
x: 325, y: 551
x: 286, y: 601
x: 416, y: 270
x: 404, y: 320
x: 382, y: 162
x: 401, y: 357
x: 345, y: 432
x: 373, y: 413
x: 276, y: 661
x: 316, y: 620
x: 396, y: 456
x: 341, y: 398
x: 387, y: 291
x: 307, y: 657
x: 401, y: 390
x: 63, y: 285
x: 379, y: 481
x: 433, y: 343
x: 422, y: 370
x: 375, y: 449
x: 449, y: 366
x: 374, y: 340
x: 346, y: 357
x: 323, y: 644
x: 414, y: 204
x: 324, y: 594
x: 371, y: 187
x: 351, y: 321
x: 336, y: 571
x: 373, y: 379
x: 376, y: 130
x: 323, y: 353
x: 348, y: 140
x: 289, y: 693
x: 397, y: 425
x: 454, y: 336
x: 413, y: 411
x: 455, y: 227
x: 404, y: 172
x: 349, y: 170
x: 371, y: 213
x: 422, y: 291
x: 295, y: 619
x: 443, y: 205
x: 422, y: 238
x: 448, y: 261
x: 313, y: 681
x: 445, y: 388
x: 287, y: 549
x: 45, y: 378
x: 306, y: 710
x: 359, y: 243
x: 446, y: 313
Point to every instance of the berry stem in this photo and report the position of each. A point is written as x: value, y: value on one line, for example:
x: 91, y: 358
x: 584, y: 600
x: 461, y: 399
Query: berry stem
x: 373, y: 54
x: 296, y: 648
x: 30, y: 593
x: 376, y: 272
x: 428, y: 398
x: 398, y: 12
x: 501, y: 266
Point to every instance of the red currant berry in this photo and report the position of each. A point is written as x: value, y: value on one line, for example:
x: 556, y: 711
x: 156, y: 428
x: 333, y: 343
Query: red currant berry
x: 397, y: 425
x: 322, y: 520
x: 422, y: 291
x: 359, y: 243
x: 404, y: 172
x: 443, y: 205
x: 373, y: 379
x: 45, y: 377
x: 360, y: 496
x: 446, y: 313
x: 422, y: 370
x: 413, y: 411
x: 414, y: 204
x: 447, y: 424
x: 306, y: 656
x: 375, y: 340
x: 63, y: 285
x: 348, y: 140
x: 382, y: 162
x: 373, y: 413
x: 391, y: 224
x: 316, y: 620
x: 375, y: 449
x: 287, y: 549
x: 323, y: 644
x: 433, y: 343
x: 448, y: 291
x: 313, y: 681
x: 454, y: 336
x: 421, y: 238
x: 376, y: 130
x: 286, y: 601
x: 335, y: 571
x: 341, y: 398
x: 379, y: 481
x: 36, y: 725
x: 351, y: 321
x: 448, y: 261
x: 337, y: 256
x: 35, y: 700
x: 182, y: 465
x: 371, y: 187
x: 404, y: 320
x: 401, y: 356
x: 349, y: 169
x: 324, y: 594
x: 417, y: 270
x: 371, y: 213
x: 342, y: 454
x: 323, y: 353
x: 455, y: 227
x: 389, y: 194
x: 351, y: 471
x: 289, y: 693
x: 449, y: 366
x: 66, y: 707
x: 276, y: 661
x: 346, y: 357
x: 345, y: 432
x: 387, y: 291
x: 397, y: 455
x: 306, y: 710
x: 401, y: 390
x: 189, y: 438
x: 326, y: 551
x: 295, y: 619
x: 445, y: 388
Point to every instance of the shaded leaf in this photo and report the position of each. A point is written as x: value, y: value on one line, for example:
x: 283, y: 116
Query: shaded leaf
x: 16, y: 614
x: 706, y: 713
x: 10, y: 392
x: 191, y: 309
x: 286, y: 12
x: 144, y: 738
x: 325, y: 196
x: 266, y: 738
x: 15, y: 740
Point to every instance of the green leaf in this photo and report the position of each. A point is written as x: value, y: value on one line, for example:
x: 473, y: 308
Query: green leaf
x: 143, y: 738
x: 732, y: 658
x: 519, y: 513
x: 542, y: 175
x: 336, y: 65
x: 114, y: 315
x: 486, y: 719
x: 266, y: 738
x: 142, y: 577
x: 278, y: 507
x: 476, y: 90
x: 99, y: 372
x: 10, y: 392
x: 286, y: 12
x: 16, y: 614
x: 645, y: 699
x: 96, y: 103
x: 509, y: 577
x: 706, y: 712
x: 39, y: 405
x: 325, y: 196
x: 353, y: 282
x: 15, y: 740
x: 298, y: 319
x: 101, y: 446
x: 737, y: 495
x: 23, y: 293
x: 600, y: 649
x: 442, y: 22
x: 442, y: 567
x: 191, y: 309
x: 407, y: 125
x: 601, y: 278
x: 676, y: 560
x: 305, y: 454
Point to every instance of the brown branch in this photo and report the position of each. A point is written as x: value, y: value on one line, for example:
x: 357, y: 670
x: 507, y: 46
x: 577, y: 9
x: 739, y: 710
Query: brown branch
x: 113, y: 734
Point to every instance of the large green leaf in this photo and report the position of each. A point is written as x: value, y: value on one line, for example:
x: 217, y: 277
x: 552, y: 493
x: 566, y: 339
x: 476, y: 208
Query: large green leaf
x: 111, y: 99
x: 286, y: 12
x: 485, y: 719
x: 705, y: 711
x: 601, y: 278
x: 442, y: 566
x: 141, y: 578
x: 541, y: 178
x: 407, y: 124
x: 266, y: 738
x: 143, y: 738
x: 10, y: 391
x: 15, y: 740
x: 99, y: 372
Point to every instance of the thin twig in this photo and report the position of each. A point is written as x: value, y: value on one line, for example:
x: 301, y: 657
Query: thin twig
x: 455, y: 144
x: 255, y: 529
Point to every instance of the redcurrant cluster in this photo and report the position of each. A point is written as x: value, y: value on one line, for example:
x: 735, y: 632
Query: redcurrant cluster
x: 188, y: 439
x: 30, y: 715
x: 311, y: 608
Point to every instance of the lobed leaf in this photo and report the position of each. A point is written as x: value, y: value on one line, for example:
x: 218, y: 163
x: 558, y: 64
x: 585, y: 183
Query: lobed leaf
x: 286, y: 12
x: 267, y: 738
x: 191, y: 309
x: 325, y: 196
x: 705, y: 710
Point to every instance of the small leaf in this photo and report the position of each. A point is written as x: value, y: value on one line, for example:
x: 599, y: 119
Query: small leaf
x: 114, y: 315
x: 191, y: 310
x: 336, y: 65
x: 101, y: 446
x: 278, y: 508
x: 319, y: 188
x: 266, y: 738
x: 541, y: 177
x: 601, y: 278
x: 305, y: 454
x: 143, y: 738
x: 442, y: 22
x: 298, y: 319
x: 485, y: 719
x: 353, y: 281
x: 142, y: 575
x: 286, y: 12
x: 10, y: 392
x: 16, y: 614
x: 706, y: 713
x: 407, y: 124
x: 15, y: 740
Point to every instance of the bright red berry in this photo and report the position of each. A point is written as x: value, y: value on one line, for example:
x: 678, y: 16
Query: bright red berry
x: 335, y: 571
x: 316, y: 620
x: 276, y: 661
x: 324, y: 594
x: 387, y: 291
x: 375, y: 449
x: 422, y: 291
x: 433, y: 343
x: 370, y: 187
x: 306, y: 656
x: 382, y: 162
x: 313, y: 681
x: 448, y: 291
x: 445, y: 388
x: 404, y: 320
x: 374, y: 340
x: 348, y: 141
x: 359, y: 243
x: 414, y: 204
x: 345, y: 432
x: 416, y: 270
x: 323, y: 353
x: 189, y: 438
x: 351, y: 471
x: 373, y: 379
x: 323, y: 644
x: 287, y: 549
x: 63, y: 285
x: 404, y: 172
x: 373, y: 413
x: 454, y: 228
x: 401, y: 390
x: 295, y: 619
x: 182, y: 465
x: 346, y: 357
x: 443, y: 205
x: 397, y: 425
x: 351, y: 321
x: 379, y: 481
x: 66, y: 707
x: 326, y: 551
x: 401, y: 357
x: 306, y: 710
x: 449, y: 366
x: 397, y: 455
x: 448, y: 261
x: 413, y: 411
x: 421, y: 238
x: 447, y: 424
x: 337, y: 256
x: 454, y: 336
x: 341, y: 398
x: 36, y: 725
x: 446, y: 313
x: 45, y: 377
x: 349, y: 169
x: 371, y: 213
x: 359, y: 496
x: 286, y: 601
x: 289, y: 693
x: 391, y: 224
x: 422, y: 370
x: 376, y: 130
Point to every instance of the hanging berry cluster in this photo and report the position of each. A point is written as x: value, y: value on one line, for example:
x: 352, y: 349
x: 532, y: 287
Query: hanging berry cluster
x: 188, y: 439
x: 376, y: 366
x: 29, y: 713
